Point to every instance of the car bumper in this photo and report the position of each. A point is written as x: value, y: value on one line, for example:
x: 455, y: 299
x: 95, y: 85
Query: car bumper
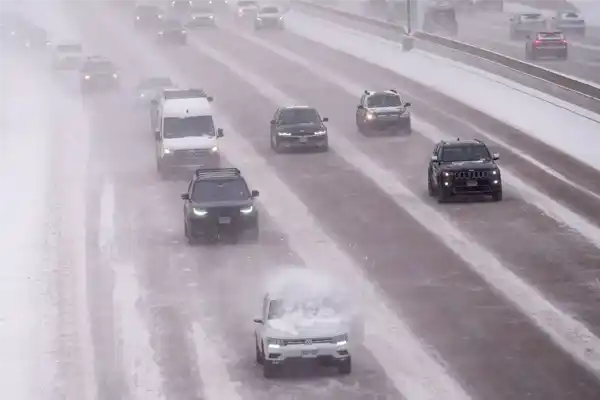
x: 550, y: 52
x: 216, y: 223
x: 269, y: 23
x: 293, y: 142
x: 191, y: 159
x: 385, y: 124
x: 325, y: 352
x: 473, y: 187
x: 100, y: 83
x: 172, y: 38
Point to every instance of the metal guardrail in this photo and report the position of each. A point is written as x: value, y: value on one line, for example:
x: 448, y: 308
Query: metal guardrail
x: 584, y: 88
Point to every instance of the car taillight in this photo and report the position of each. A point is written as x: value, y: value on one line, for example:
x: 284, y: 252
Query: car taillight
x: 537, y: 42
x: 564, y: 41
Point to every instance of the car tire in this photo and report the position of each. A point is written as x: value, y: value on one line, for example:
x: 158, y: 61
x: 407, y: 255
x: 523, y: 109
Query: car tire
x: 260, y: 360
x: 269, y: 369
x: 430, y: 188
x: 188, y: 234
x: 252, y: 235
x: 275, y: 144
x: 442, y: 195
x: 345, y: 366
x: 497, y: 196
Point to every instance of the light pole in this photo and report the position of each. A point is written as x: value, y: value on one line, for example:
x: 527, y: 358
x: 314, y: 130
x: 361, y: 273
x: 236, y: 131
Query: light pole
x: 408, y: 42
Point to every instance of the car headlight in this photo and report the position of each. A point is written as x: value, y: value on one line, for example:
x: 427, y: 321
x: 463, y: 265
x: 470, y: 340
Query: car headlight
x: 115, y: 76
x: 495, y: 172
x: 284, y: 134
x: 341, y: 340
x: 142, y: 95
x: 274, y: 343
x: 370, y: 115
x: 247, y: 210
x: 194, y: 17
x: 199, y: 212
x: 137, y: 18
x: 183, y: 32
x: 323, y: 132
x: 214, y: 149
x: 87, y: 77
x: 167, y: 151
x: 447, y: 174
x: 161, y: 33
x: 281, y: 18
x: 258, y: 19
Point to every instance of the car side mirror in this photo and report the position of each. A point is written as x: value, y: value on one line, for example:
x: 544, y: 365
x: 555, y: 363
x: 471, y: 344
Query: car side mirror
x: 220, y: 132
x: 185, y: 196
x: 407, y: 104
x: 157, y: 134
x: 254, y: 193
x: 496, y: 156
x: 209, y: 98
x: 325, y: 119
x: 360, y: 107
x: 258, y: 320
x: 273, y: 122
x: 434, y: 158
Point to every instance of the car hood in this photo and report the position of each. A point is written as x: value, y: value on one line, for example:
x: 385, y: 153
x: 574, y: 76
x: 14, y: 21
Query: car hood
x: 269, y: 16
x: 290, y: 327
x: 466, y: 165
x: 190, y: 143
x: 231, y: 203
x: 301, y: 128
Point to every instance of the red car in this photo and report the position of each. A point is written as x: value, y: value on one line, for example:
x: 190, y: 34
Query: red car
x: 547, y: 45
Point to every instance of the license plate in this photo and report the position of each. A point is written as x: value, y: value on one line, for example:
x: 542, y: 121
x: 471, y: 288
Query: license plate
x: 303, y: 140
x: 472, y: 183
x: 309, y: 353
x: 224, y: 220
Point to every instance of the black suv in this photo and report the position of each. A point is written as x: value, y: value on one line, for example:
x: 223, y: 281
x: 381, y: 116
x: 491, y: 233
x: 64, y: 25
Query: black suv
x: 98, y: 73
x: 463, y: 168
x: 147, y: 16
x: 218, y: 202
x: 383, y: 111
x: 298, y: 127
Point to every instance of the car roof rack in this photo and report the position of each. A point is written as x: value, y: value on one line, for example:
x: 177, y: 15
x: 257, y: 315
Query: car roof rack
x: 212, y: 173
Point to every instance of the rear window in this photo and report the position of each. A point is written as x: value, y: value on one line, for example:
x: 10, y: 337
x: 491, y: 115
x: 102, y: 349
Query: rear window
x: 69, y: 48
x: 531, y: 17
x: 550, y: 36
x: 269, y: 10
x: 384, y: 100
x: 570, y: 15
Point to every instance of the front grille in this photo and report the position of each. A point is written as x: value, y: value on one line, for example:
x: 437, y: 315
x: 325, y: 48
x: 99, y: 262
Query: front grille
x: 292, y: 342
x: 225, y: 211
x: 192, y: 154
x: 471, y: 175
x: 303, y: 133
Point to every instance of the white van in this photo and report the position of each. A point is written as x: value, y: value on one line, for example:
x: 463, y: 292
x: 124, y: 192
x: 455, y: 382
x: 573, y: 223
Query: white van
x: 185, y: 135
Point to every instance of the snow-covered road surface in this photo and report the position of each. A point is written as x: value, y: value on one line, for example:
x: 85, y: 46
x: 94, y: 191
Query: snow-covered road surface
x: 472, y: 300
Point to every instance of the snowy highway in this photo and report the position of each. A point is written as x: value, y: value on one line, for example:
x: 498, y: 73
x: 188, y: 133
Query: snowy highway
x: 474, y: 300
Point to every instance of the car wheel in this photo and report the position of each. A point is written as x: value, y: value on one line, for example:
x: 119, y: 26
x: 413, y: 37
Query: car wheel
x: 442, y: 194
x: 430, y: 188
x: 252, y: 235
x: 345, y: 367
x: 497, y: 196
x: 275, y: 144
x: 259, y: 355
x: 269, y: 369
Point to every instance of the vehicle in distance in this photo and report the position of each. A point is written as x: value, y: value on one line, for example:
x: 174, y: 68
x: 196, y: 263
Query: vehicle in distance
x: 440, y: 18
x: 171, y: 31
x: 67, y: 56
x: 383, y: 111
x: 292, y: 328
x: 98, y: 73
x: 547, y: 45
x: 463, y: 168
x: 296, y: 127
x: 569, y: 22
x: 147, y: 16
x: 185, y: 135
x: 526, y: 24
x: 218, y: 203
x: 202, y: 15
x: 245, y: 9
x: 149, y: 88
x: 269, y: 17
x: 181, y: 6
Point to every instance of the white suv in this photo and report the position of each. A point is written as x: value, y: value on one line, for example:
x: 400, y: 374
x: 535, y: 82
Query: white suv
x: 308, y: 328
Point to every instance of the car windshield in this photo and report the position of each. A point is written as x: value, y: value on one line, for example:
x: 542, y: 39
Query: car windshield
x: 99, y: 67
x: 306, y: 308
x: 69, y: 48
x: 154, y: 83
x: 188, y: 127
x: 299, y: 116
x: 383, y: 100
x: 465, y: 153
x: 220, y: 190
x: 570, y: 15
x: 269, y: 10
x: 247, y: 3
x: 181, y: 5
